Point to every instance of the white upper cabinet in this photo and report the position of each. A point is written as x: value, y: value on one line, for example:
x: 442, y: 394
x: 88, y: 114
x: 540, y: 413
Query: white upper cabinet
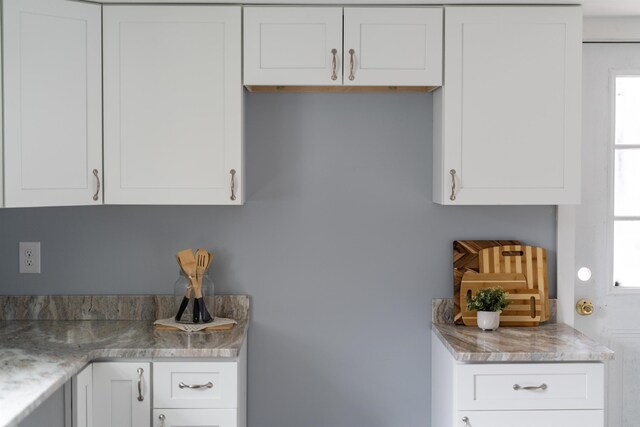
x: 392, y: 46
x: 507, y: 120
x: 52, y: 103
x: 173, y: 105
x: 293, y: 46
x: 303, y: 46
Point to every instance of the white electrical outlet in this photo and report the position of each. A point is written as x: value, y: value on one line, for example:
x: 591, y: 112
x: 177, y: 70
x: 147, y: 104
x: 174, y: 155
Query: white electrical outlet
x: 29, y: 257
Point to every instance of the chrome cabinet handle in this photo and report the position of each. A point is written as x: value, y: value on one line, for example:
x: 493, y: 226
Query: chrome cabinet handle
x: 334, y: 64
x: 452, y: 172
x: 161, y: 417
x: 95, y: 173
x: 517, y: 387
x: 351, y: 64
x: 233, y: 184
x: 465, y: 420
x: 140, y: 396
x: 207, y: 385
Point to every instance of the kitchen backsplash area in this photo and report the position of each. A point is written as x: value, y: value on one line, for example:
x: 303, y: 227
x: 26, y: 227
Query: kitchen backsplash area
x: 338, y: 232
x: 112, y: 307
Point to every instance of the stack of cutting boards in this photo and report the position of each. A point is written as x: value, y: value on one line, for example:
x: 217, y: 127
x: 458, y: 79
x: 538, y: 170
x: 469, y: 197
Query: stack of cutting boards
x: 519, y: 269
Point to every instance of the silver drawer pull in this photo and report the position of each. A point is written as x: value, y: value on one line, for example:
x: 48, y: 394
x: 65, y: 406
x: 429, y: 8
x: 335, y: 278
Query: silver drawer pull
x: 140, y: 396
x: 452, y: 172
x: 334, y: 64
x: 207, y: 385
x: 95, y: 173
x: 233, y: 184
x: 517, y: 387
x: 351, y: 64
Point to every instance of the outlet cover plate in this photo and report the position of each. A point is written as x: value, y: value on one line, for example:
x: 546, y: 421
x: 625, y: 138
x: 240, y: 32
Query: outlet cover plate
x: 29, y: 257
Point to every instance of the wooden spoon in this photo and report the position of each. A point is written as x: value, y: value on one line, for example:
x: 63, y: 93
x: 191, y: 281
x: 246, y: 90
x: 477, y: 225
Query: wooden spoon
x: 202, y: 262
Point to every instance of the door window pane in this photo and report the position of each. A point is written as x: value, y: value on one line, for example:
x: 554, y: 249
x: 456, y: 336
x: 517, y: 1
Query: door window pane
x: 627, y: 182
x: 627, y: 122
x: 626, y: 209
x: 626, y: 253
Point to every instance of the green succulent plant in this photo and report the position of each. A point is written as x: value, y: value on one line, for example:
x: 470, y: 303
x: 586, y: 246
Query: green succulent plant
x: 488, y: 299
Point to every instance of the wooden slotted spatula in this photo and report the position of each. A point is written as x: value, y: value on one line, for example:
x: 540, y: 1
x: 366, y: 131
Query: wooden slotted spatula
x: 202, y: 263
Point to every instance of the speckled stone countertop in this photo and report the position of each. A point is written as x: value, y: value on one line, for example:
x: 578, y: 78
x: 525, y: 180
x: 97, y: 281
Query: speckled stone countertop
x: 554, y: 342
x: 39, y: 356
x: 549, y: 342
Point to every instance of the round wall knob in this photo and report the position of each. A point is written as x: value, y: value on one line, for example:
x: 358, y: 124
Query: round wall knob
x: 584, y: 307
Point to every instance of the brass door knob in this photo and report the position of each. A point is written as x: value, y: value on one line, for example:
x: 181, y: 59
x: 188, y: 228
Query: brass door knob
x: 584, y: 307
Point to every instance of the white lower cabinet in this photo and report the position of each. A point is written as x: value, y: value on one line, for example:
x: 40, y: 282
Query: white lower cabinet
x: 186, y: 393
x: 532, y: 394
x: 195, y: 418
x: 82, y: 398
x: 202, y: 394
x: 121, y: 394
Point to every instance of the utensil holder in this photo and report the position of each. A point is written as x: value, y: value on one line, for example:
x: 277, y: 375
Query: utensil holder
x: 180, y: 288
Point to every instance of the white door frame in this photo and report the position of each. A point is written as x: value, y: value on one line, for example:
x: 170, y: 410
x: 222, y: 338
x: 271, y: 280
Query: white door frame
x: 601, y: 29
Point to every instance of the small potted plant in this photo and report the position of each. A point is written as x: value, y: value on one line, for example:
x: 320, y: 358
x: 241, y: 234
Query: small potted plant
x: 488, y: 302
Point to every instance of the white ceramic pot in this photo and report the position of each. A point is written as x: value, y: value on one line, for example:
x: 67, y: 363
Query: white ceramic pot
x: 488, y: 320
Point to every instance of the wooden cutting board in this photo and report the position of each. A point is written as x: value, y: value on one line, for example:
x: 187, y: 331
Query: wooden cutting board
x: 528, y: 260
x: 465, y: 258
x: 525, y: 304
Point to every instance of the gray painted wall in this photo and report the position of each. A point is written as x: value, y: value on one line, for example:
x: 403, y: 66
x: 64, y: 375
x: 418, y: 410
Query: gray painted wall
x: 50, y: 413
x: 338, y: 244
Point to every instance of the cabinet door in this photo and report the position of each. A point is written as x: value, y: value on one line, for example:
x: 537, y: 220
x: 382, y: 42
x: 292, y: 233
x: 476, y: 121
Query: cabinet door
x: 511, y: 107
x: 121, y: 395
x: 530, y: 419
x: 393, y: 46
x: 173, y: 105
x: 82, y: 397
x: 195, y: 418
x: 52, y: 102
x: 293, y: 46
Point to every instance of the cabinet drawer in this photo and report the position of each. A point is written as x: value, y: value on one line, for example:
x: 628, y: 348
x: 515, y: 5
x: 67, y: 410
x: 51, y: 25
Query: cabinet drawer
x: 195, y: 418
x: 530, y: 418
x: 530, y: 386
x: 195, y: 385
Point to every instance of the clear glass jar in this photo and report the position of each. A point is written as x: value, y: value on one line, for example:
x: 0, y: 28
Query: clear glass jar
x: 182, y: 288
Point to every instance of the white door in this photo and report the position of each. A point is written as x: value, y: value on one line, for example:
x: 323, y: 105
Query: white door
x: 195, y: 418
x: 52, y: 102
x: 607, y: 223
x: 121, y: 394
x: 392, y: 46
x: 173, y: 105
x: 82, y: 391
x: 293, y: 46
x: 510, y: 106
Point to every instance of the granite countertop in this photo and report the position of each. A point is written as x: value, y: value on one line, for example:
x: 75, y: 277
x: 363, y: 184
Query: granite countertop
x: 38, y: 356
x: 553, y: 342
